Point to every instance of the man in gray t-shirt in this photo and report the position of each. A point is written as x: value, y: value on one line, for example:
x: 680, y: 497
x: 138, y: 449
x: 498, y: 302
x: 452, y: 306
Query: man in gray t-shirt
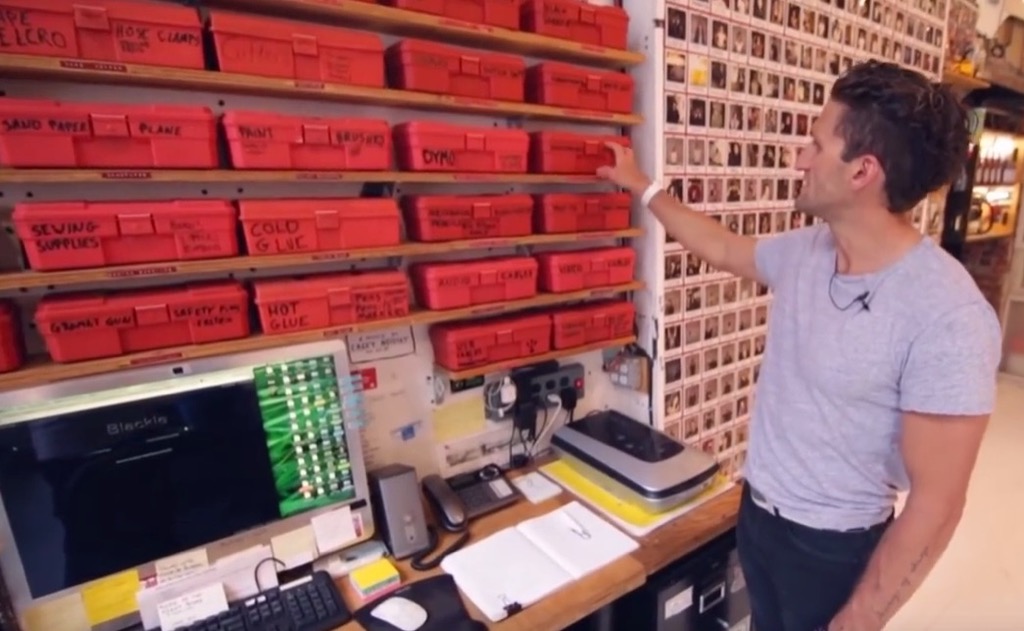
x: 880, y: 365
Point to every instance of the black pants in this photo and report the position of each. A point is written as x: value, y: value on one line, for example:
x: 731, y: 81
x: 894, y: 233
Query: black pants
x: 798, y: 577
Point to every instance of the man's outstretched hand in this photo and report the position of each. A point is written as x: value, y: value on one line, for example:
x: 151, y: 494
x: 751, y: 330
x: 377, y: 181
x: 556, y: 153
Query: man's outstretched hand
x: 625, y: 173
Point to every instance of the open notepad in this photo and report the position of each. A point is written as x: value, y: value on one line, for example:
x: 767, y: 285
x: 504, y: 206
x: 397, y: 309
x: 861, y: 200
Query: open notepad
x: 518, y: 566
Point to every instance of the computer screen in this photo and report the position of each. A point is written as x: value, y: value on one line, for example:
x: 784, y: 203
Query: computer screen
x: 92, y: 485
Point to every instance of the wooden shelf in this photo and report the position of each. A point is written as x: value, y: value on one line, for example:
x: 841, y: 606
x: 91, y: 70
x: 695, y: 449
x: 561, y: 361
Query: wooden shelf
x: 44, y: 371
x: 238, y: 176
x: 523, y: 361
x: 51, y: 68
x: 171, y: 269
x: 1000, y: 232
x: 369, y: 16
x: 961, y: 81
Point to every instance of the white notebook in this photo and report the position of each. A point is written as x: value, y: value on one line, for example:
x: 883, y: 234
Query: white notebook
x: 516, y: 567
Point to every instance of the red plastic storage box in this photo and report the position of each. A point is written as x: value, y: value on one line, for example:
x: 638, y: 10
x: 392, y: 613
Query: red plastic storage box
x: 585, y: 269
x: 140, y: 32
x: 593, y: 212
x: 576, y: 21
x: 455, y: 218
x: 12, y: 350
x: 592, y: 323
x: 73, y: 235
x: 78, y: 327
x: 264, y: 140
x: 274, y: 47
x: 49, y: 134
x: 468, y: 344
x: 456, y: 284
x: 427, y: 146
x: 440, y: 69
x: 319, y: 302
x: 289, y: 226
x: 566, y: 152
x: 564, y: 85
x: 502, y: 13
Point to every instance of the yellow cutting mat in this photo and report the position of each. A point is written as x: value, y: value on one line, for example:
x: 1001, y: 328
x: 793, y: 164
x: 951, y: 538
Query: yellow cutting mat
x: 633, y: 517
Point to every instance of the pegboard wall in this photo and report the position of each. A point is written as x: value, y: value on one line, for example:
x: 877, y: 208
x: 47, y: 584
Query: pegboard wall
x: 412, y: 414
x: 729, y: 91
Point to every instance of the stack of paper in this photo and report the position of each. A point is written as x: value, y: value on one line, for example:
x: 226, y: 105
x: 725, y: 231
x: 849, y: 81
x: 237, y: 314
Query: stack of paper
x: 375, y: 579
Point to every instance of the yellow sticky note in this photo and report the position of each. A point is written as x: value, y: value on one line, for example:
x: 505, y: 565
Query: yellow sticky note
x: 458, y: 420
x: 61, y: 614
x: 377, y: 573
x: 296, y: 547
x: 112, y: 597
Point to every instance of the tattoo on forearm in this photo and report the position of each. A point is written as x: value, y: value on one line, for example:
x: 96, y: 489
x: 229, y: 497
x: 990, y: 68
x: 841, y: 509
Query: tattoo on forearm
x: 904, y: 586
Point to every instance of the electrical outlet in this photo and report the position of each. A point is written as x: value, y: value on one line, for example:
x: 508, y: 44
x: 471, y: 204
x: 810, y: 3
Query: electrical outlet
x: 539, y: 383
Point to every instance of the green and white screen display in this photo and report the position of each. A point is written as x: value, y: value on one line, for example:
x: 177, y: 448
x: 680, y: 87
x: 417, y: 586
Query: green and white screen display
x: 303, y: 418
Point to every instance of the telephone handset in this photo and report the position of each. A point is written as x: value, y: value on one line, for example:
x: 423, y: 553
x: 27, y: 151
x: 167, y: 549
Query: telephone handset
x: 459, y: 499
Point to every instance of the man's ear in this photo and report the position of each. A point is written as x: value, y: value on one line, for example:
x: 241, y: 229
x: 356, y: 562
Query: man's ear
x: 865, y: 171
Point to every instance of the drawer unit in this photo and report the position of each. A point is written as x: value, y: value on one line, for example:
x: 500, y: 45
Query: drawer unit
x: 564, y: 85
x: 440, y: 69
x: 456, y: 218
x: 469, y: 344
x: 592, y: 323
x: 576, y: 21
x: 592, y: 212
x: 569, y: 153
x: 426, y: 146
x: 501, y: 13
x: 290, y: 226
x: 585, y: 269
x: 456, y: 284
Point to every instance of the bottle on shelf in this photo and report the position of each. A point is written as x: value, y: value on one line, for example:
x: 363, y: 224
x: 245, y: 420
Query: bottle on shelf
x: 1009, y: 172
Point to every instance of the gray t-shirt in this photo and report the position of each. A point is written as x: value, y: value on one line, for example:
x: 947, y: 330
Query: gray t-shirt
x: 824, y: 437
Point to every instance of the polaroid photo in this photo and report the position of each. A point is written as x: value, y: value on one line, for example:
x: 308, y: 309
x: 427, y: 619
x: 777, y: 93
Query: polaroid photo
x: 746, y: 323
x: 753, y: 160
x: 712, y: 328
x: 764, y: 223
x: 716, y: 115
x: 758, y: 46
x: 786, y: 127
x: 747, y: 285
x: 699, y: 71
x: 673, y: 341
x: 719, y: 76
x: 691, y: 398
x: 675, y: 25
x: 699, y: 32
x: 716, y: 191
x: 793, y: 18
x: 808, y: 22
x: 820, y: 61
x: 739, y: 49
x: 691, y: 428
x: 776, y: 14
x: 721, y: 7
x: 759, y: 343
x: 729, y: 325
x: 788, y: 157
x: 718, y: 149
x: 782, y: 190
x: 796, y: 220
x: 774, y: 51
x: 744, y: 379
x: 757, y: 372
x: 674, y: 109
x: 771, y: 128
x: 767, y: 187
x: 745, y: 350
x: 675, y: 69
x: 710, y: 391
x: 741, y: 10
x: 693, y: 300
x: 673, y: 403
x: 673, y: 267
x: 791, y: 53
x: 788, y: 89
x: 696, y: 154
x: 691, y: 366
x: 750, y: 224
x: 728, y: 355
x: 833, y: 63
x: 697, y: 114
x: 754, y: 121
x: 749, y: 191
x: 737, y: 79
x: 803, y: 91
x: 818, y: 94
x: 803, y: 126
x: 712, y: 297
x: 755, y: 83
x: 695, y: 191
x: 734, y: 157
x: 676, y: 187
x: 733, y: 190
x: 694, y: 266
x: 712, y: 360
x: 727, y: 409
x: 822, y: 27
x: 759, y: 10
x: 781, y: 220
x: 806, y: 57
x: 761, y: 316
x: 708, y: 422
x: 673, y: 303
x: 675, y: 151
x: 798, y: 187
x: 720, y: 36
x: 693, y: 335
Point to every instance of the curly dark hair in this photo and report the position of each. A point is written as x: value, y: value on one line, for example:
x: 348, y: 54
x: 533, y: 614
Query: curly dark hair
x: 915, y: 128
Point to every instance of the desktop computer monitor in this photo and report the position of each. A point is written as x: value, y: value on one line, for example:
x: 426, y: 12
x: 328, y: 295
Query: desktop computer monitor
x: 111, y: 473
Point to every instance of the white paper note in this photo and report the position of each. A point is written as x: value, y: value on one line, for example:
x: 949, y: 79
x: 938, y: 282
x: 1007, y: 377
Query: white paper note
x: 295, y: 548
x: 334, y: 530
x: 536, y: 487
x: 181, y: 565
x: 192, y: 607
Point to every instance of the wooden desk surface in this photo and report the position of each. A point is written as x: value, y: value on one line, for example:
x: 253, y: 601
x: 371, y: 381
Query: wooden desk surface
x: 581, y: 598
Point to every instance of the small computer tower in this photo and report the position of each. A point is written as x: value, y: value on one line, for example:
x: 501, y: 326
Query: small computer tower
x: 398, y: 509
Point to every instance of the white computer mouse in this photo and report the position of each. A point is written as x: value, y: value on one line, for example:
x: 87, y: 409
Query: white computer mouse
x: 400, y: 612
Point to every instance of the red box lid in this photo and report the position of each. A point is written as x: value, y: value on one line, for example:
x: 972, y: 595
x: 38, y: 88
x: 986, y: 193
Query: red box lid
x: 479, y: 269
x: 135, y: 10
x: 481, y: 205
x: 306, y: 129
x: 103, y: 219
x: 590, y: 78
x: 465, y: 60
x: 316, y: 287
x: 474, y: 138
x: 512, y: 324
x: 305, y: 36
x: 323, y: 210
x: 135, y: 307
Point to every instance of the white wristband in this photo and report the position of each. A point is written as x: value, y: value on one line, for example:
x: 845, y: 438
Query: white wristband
x: 653, y: 189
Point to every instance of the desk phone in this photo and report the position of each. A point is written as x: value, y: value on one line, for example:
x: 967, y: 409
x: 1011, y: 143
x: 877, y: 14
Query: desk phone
x: 466, y: 496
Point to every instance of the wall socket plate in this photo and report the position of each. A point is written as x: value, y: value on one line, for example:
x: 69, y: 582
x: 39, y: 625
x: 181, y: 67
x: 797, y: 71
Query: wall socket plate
x: 545, y: 382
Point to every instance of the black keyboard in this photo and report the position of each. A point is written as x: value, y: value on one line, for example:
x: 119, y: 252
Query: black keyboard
x: 309, y: 604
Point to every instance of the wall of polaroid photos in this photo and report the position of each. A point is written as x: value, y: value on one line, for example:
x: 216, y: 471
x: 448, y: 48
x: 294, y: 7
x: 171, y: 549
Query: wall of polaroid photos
x: 744, y: 81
